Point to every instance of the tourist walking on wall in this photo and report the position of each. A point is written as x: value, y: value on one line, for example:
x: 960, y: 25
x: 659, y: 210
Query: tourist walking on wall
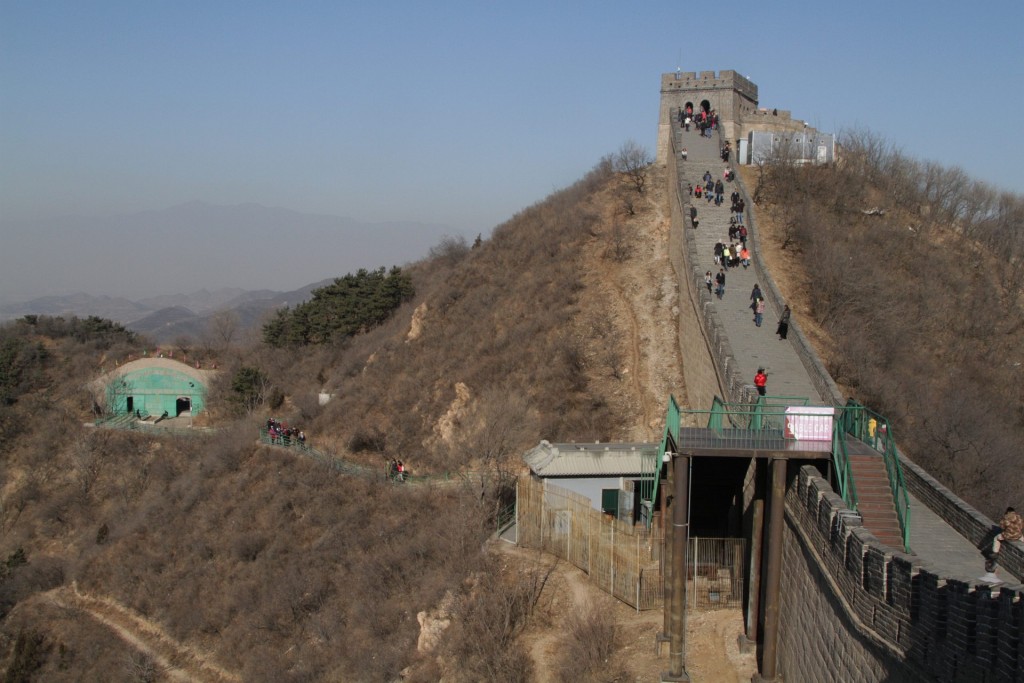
x: 720, y: 279
x: 761, y: 381
x: 708, y: 280
x: 758, y: 312
x: 1011, y: 528
x: 755, y: 294
x: 783, y: 328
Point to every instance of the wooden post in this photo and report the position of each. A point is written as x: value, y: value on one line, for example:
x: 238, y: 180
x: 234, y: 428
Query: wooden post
x: 773, y: 574
x: 680, y: 541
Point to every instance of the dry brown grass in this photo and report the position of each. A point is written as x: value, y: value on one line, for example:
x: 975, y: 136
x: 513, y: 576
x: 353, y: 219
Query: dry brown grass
x: 918, y: 318
x: 277, y: 567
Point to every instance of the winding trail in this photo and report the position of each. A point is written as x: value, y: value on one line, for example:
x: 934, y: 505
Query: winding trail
x: 177, y: 661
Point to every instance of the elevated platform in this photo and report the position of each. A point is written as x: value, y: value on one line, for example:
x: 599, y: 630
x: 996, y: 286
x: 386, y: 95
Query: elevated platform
x: 746, y: 443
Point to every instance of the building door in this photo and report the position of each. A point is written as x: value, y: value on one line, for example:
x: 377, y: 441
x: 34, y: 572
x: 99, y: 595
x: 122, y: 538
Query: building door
x: 182, y: 405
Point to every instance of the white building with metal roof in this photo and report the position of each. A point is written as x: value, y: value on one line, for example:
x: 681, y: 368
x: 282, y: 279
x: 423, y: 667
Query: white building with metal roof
x: 611, y: 475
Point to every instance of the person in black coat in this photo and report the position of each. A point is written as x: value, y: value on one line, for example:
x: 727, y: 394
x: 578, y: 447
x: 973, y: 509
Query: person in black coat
x: 783, y: 328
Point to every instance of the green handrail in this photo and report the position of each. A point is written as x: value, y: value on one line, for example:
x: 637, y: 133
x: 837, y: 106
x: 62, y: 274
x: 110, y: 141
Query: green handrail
x: 841, y: 463
x: 874, y: 430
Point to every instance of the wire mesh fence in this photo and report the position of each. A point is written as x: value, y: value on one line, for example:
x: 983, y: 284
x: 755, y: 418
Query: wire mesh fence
x: 715, y: 573
x: 621, y: 558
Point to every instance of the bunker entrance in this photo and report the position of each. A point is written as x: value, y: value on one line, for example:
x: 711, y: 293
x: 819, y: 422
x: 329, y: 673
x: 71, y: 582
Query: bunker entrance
x: 182, y: 405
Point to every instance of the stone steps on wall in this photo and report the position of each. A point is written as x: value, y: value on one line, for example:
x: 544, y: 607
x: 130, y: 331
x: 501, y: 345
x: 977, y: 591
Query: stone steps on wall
x: 874, y: 498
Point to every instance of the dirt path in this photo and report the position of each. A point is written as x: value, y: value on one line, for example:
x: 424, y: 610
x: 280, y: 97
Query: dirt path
x: 177, y: 661
x: 637, y: 380
x: 712, y: 653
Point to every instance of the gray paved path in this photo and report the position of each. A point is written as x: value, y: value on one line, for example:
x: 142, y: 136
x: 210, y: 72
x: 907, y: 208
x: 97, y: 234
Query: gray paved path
x: 930, y: 538
x: 754, y: 346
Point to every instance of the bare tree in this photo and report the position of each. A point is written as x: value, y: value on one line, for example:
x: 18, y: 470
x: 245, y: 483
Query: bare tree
x: 633, y: 160
x: 222, y: 330
x: 184, y: 344
x: 620, y: 247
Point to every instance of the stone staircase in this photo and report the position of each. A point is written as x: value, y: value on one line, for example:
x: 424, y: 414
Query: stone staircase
x: 874, y: 496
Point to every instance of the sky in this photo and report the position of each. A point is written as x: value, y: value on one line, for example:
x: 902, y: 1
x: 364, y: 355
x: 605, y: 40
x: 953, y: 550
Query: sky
x: 455, y: 112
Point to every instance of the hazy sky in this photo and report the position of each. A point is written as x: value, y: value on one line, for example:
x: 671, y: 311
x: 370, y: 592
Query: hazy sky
x: 455, y: 112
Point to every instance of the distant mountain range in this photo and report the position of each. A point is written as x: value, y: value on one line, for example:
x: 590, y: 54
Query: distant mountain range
x: 167, y: 318
x: 221, y: 251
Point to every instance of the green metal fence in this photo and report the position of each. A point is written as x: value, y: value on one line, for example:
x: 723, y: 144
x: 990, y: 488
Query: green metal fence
x: 768, y: 412
x: 651, y: 468
x: 841, y: 465
x: 370, y: 472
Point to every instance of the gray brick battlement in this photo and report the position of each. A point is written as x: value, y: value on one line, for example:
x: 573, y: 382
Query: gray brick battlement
x: 941, y: 627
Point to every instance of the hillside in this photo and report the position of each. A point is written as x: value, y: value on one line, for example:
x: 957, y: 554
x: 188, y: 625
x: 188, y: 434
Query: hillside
x: 169, y: 558
x: 263, y: 565
x: 908, y: 278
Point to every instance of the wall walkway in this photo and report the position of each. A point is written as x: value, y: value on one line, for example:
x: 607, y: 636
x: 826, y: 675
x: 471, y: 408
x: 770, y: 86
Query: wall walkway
x: 923, y: 616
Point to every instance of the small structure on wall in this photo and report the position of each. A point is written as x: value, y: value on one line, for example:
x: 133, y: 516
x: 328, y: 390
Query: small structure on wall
x: 154, y: 386
x: 755, y: 132
x: 618, y: 478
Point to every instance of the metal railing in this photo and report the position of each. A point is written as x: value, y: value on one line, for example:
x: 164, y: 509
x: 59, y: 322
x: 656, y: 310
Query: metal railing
x: 767, y: 413
x: 365, y: 471
x: 874, y: 430
x: 841, y: 465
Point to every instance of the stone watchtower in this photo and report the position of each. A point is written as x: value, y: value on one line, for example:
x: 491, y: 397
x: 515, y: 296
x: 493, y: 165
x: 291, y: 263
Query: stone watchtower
x: 730, y: 95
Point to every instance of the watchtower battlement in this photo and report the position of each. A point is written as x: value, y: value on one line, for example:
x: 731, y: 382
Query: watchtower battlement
x: 733, y: 97
x: 692, y: 81
x: 730, y: 95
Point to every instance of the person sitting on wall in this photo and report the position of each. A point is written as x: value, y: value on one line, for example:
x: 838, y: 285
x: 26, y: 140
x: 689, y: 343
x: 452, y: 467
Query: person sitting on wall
x: 1011, y: 528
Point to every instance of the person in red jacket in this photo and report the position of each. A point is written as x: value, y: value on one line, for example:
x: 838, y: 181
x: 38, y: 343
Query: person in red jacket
x: 760, y: 381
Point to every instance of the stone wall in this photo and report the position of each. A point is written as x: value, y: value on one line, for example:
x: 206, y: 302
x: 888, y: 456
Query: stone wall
x: 709, y: 366
x: 854, y: 608
x: 969, y: 522
x: 731, y: 95
x: 854, y: 605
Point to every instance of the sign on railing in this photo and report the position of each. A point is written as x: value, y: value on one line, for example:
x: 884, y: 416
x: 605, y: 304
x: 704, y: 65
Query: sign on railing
x: 809, y: 423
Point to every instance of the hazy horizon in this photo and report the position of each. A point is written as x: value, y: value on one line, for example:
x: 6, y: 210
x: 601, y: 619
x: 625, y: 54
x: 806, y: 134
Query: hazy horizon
x: 196, y: 246
x: 459, y: 115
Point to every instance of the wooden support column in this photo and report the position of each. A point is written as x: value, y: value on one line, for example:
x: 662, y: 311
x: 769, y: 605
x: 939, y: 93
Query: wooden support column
x: 666, y: 556
x: 680, y: 541
x: 773, y: 574
x: 753, y: 620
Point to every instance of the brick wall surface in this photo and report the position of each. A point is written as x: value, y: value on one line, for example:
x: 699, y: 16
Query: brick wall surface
x: 856, y: 610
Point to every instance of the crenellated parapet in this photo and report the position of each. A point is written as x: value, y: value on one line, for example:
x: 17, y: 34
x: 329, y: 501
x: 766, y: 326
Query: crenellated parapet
x: 731, y: 95
x: 908, y: 620
x: 734, y: 98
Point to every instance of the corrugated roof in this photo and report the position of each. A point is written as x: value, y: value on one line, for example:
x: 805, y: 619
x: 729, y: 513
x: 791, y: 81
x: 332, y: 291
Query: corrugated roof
x: 589, y: 459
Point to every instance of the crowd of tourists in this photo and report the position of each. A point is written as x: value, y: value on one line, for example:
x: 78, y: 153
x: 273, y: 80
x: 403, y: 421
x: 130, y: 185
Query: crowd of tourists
x: 705, y: 120
x: 282, y: 435
x: 396, y: 470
